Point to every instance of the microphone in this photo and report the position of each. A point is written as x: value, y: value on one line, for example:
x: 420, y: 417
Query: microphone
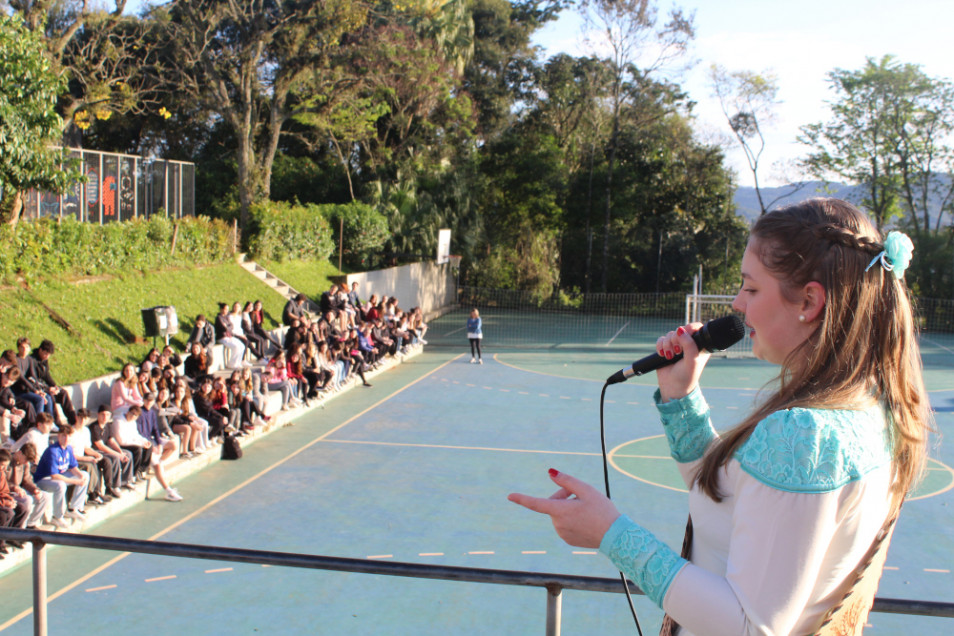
x: 715, y: 335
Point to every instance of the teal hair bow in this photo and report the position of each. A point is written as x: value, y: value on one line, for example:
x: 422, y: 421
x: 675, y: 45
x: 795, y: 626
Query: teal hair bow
x: 896, y: 255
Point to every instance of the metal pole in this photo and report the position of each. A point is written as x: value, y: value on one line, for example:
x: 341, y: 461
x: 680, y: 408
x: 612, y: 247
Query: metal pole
x: 554, y: 609
x: 39, y: 588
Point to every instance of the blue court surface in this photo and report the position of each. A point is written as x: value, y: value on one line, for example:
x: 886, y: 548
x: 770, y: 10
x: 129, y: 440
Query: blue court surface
x: 417, y: 469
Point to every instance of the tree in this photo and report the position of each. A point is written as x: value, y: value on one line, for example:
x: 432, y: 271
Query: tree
x: 242, y: 59
x: 890, y: 133
x: 29, y: 123
x: 748, y: 100
x: 632, y: 32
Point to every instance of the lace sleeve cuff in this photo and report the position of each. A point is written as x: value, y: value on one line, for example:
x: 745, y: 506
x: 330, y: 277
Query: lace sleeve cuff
x: 687, y: 425
x: 638, y: 554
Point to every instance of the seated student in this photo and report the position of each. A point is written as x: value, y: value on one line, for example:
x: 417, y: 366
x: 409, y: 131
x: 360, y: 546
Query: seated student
x: 27, y: 388
x: 39, y: 435
x: 121, y: 466
x: 257, y: 343
x: 220, y: 402
x: 150, y: 361
x: 244, y: 406
x: 325, y: 365
x: 12, y: 512
x: 342, y: 360
x: 35, y: 501
x: 197, y: 364
x: 123, y: 431
x: 55, y: 472
x: 169, y: 357
x: 251, y: 384
x: 329, y: 300
x: 162, y: 449
x: 418, y: 325
x: 125, y: 391
x: 11, y: 416
x: 354, y: 300
x: 371, y: 312
x: 358, y: 363
x: 257, y: 316
x: 145, y: 383
x: 41, y: 356
x: 204, y: 334
x: 181, y: 401
x: 294, y: 308
x: 235, y: 348
x: 89, y: 460
x: 205, y: 409
x: 367, y: 346
x: 165, y: 417
x: 276, y: 379
x: 296, y: 373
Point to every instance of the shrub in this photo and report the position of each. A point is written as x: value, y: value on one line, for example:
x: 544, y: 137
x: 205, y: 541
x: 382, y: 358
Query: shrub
x: 280, y: 231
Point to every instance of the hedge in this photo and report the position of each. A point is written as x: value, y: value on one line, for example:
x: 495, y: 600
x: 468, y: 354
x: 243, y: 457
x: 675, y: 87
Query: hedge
x: 69, y: 248
x: 280, y: 231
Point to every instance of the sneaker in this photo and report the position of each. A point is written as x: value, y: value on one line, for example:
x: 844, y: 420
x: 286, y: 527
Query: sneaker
x: 59, y: 524
x: 481, y: 361
x: 423, y: 341
x: 75, y: 514
x: 173, y: 495
x: 473, y: 360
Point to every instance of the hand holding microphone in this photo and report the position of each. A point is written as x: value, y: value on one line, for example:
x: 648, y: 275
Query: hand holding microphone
x: 715, y: 335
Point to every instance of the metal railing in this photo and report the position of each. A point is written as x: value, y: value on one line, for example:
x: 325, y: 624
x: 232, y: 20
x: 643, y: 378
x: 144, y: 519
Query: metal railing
x: 553, y: 583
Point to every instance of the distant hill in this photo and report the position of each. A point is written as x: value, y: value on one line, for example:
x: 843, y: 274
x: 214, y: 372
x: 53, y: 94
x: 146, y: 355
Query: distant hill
x: 747, y: 204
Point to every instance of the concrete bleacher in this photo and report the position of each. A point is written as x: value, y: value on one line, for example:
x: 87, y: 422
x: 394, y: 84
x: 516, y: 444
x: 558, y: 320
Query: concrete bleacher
x: 92, y: 393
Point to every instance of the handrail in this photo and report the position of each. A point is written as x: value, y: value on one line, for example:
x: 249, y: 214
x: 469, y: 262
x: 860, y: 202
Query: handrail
x: 554, y: 583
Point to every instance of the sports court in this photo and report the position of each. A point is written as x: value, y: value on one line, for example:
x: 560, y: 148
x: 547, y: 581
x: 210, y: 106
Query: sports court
x: 417, y: 469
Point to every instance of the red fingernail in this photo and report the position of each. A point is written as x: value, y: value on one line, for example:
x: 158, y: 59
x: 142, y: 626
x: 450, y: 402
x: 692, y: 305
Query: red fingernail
x: 680, y: 331
x: 553, y: 472
x: 669, y: 355
x: 677, y: 349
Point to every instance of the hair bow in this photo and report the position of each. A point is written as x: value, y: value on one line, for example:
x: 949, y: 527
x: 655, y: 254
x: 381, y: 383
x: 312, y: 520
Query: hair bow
x: 896, y: 255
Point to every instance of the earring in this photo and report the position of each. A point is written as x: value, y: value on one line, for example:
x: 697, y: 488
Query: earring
x: 801, y: 317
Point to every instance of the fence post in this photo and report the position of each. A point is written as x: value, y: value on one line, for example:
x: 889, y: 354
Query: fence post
x: 554, y: 609
x: 39, y: 588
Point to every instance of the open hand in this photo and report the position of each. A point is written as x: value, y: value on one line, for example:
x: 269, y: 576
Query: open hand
x: 581, y: 514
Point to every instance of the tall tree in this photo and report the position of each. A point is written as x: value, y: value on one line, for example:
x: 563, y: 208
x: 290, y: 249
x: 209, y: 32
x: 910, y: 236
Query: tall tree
x: 748, y: 100
x: 639, y: 44
x: 890, y: 132
x: 29, y: 123
x: 241, y: 59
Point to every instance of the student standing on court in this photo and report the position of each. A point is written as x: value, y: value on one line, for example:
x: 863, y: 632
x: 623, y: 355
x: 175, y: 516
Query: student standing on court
x: 475, y: 334
x: 785, y: 506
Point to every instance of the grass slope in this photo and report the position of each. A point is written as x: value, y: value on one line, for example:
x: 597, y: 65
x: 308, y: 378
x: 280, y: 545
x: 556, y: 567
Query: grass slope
x: 311, y: 278
x: 105, y: 314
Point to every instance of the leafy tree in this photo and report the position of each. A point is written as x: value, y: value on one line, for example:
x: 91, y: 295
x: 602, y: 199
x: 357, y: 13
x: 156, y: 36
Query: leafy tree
x: 242, y: 59
x: 28, y: 119
x: 639, y: 45
x: 890, y: 132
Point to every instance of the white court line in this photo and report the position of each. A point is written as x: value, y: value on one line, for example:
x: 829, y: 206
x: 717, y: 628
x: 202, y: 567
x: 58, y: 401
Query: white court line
x: 430, y: 554
x: 216, y: 570
x: 937, y: 571
x: 617, y: 333
x: 99, y: 589
x: 534, y: 552
x: 380, y: 556
x: 481, y: 552
x: 585, y: 553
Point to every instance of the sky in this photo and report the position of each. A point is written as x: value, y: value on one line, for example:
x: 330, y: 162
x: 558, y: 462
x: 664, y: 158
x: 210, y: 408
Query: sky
x: 800, y: 42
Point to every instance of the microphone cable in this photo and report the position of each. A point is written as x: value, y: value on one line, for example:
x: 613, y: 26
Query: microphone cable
x: 622, y: 577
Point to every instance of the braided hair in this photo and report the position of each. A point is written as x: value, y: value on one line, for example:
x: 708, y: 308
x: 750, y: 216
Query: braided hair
x: 865, y: 347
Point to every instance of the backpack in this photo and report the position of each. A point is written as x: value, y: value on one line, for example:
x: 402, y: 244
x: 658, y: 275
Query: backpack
x: 231, y: 449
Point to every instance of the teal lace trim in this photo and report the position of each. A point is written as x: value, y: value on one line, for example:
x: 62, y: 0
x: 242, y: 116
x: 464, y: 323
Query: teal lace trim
x: 816, y: 450
x: 687, y: 425
x: 644, y: 559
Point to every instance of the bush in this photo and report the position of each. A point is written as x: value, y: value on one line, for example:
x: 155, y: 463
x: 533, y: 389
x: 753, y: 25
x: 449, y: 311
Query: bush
x: 280, y: 231
x: 47, y: 249
x: 365, y: 232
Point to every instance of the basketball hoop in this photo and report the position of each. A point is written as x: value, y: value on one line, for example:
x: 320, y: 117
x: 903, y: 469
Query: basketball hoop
x: 454, y: 261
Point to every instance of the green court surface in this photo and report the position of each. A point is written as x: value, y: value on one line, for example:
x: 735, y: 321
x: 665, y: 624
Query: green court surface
x: 417, y: 469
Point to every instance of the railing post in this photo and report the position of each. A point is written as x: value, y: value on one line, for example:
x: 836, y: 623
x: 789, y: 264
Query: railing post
x: 39, y: 588
x: 554, y: 609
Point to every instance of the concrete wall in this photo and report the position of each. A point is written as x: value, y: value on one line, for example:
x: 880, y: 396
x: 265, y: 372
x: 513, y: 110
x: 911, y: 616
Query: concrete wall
x: 429, y: 286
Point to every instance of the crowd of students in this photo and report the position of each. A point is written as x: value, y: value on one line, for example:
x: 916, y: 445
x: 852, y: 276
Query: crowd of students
x: 56, y: 461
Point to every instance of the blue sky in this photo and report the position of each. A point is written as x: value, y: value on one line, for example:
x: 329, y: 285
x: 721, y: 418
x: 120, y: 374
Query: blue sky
x: 801, y: 42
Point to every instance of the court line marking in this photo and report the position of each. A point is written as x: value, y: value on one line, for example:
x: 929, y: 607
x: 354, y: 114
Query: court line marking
x: 380, y: 556
x: 937, y: 571
x: 481, y: 552
x: 228, y: 493
x: 160, y: 578
x: 217, y: 570
x: 534, y: 552
x: 430, y: 554
x: 100, y: 589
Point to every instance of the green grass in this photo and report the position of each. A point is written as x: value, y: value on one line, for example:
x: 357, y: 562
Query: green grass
x: 105, y: 314
x: 311, y: 278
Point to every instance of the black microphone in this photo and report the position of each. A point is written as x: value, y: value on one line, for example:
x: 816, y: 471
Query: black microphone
x: 715, y: 335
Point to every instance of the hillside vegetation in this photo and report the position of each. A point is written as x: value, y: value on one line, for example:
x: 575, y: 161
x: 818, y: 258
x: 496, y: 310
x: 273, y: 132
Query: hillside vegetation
x: 103, y: 325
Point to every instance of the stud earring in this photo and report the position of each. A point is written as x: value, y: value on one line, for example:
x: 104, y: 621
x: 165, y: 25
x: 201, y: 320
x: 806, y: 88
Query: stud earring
x: 801, y: 317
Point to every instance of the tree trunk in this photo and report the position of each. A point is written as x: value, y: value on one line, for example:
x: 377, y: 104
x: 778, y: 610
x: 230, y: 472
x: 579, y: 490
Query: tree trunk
x: 609, y: 200
x: 10, y: 209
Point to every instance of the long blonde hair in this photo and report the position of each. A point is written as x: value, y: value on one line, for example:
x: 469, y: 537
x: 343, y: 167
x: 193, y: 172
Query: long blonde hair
x: 865, y: 347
